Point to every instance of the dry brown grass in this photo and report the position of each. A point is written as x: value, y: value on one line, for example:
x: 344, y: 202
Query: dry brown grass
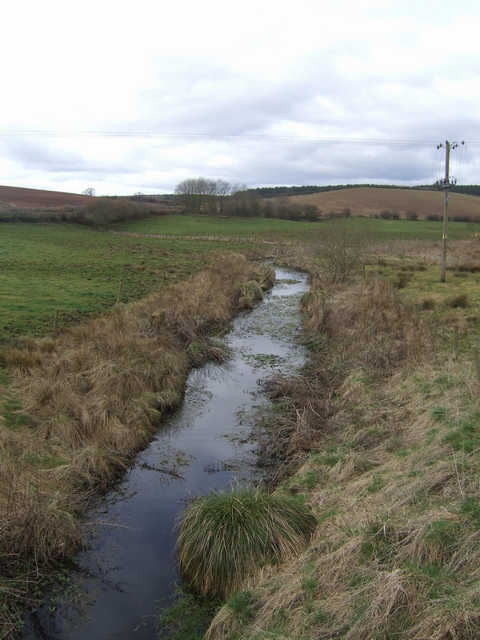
x: 364, y: 333
x: 92, y: 399
x: 370, y: 430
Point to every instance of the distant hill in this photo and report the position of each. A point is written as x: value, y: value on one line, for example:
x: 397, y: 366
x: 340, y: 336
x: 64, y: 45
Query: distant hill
x: 271, y: 192
x: 367, y: 201
x: 21, y: 197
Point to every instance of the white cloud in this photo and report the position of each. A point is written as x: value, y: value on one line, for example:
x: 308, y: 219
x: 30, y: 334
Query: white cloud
x: 380, y: 69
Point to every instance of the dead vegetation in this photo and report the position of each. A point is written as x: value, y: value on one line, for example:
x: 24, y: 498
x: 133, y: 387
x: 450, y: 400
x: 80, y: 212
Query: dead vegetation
x: 381, y: 435
x: 91, y: 400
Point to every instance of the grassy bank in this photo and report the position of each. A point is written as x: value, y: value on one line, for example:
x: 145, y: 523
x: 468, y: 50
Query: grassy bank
x: 78, y: 408
x: 381, y: 435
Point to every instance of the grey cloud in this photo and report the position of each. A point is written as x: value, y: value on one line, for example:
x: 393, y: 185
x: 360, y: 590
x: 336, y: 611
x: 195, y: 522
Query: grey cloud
x: 312, y: 96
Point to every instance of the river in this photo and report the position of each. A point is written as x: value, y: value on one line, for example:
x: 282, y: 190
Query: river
x: 129, y: 568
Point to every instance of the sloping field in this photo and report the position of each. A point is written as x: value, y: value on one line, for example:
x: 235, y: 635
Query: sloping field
x: 21, y: 197
x: 368, y: 201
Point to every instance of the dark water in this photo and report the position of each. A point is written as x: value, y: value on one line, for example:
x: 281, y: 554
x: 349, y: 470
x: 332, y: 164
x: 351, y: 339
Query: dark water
x: 129, y: 569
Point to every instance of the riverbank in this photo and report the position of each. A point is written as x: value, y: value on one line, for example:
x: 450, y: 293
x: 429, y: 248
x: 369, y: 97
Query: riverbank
x: 85, y: 403
x: 381, y: 435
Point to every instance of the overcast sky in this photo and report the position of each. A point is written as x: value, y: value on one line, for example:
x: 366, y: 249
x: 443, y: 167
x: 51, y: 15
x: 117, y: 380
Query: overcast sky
x: 248, y: 92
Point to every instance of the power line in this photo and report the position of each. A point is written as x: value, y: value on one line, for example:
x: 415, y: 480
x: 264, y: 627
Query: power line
x: 218, y: 136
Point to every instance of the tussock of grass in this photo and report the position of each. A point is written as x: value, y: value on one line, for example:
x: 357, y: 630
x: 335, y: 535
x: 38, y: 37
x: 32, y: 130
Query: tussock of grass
x: 251, y: 290
x: 458, y: 302
x: 266, y: 277
x: 226, y: 536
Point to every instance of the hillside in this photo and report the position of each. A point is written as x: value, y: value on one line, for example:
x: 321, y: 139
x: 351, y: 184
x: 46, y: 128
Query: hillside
x: 21, y: 197
x: 366, y: 201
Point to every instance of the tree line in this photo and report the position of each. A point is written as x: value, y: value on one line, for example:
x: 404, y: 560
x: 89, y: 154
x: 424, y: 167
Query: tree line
x: 203, y: 196
x: 268, y: 192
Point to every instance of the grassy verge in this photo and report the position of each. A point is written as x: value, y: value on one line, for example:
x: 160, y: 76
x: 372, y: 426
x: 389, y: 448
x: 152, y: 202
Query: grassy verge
x: 381, y: 435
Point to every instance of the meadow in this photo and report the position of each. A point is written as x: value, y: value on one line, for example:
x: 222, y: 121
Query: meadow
x: 379, y: 436
x: 77, y: 270
x: 275, y: 230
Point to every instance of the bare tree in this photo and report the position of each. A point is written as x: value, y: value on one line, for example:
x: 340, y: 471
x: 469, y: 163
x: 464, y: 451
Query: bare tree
x: 202, y: 195
x: 224, y: 189
x: 190, y: 195
x: 89, y: 191
x: 341, y: 248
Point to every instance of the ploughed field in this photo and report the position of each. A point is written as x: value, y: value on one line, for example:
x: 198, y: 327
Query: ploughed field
x: 365, y: 201
x: 22, y: 197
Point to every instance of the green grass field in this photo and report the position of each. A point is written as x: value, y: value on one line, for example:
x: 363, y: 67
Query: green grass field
x: 248, y: 228
x: 392, y: 419
x: 78, y: 270
x: 275, y: 230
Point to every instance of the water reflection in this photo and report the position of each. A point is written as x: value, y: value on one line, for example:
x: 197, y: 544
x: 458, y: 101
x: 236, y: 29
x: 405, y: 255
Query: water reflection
x: 130, y: 565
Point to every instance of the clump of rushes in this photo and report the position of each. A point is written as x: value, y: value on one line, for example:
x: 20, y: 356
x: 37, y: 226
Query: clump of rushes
x: 266, y: 275
x: 251, y: 290
x: 225, y: 537
x: 459, y: 301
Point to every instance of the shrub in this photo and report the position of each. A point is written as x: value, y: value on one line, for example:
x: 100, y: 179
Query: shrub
x: 428, y: 303
x: 403, y: 278
x: 459, y: 301
x: 470, y: 267
x: 311, y: 212
x: 341, y: 248
x: 412, y: 215
x: 461, y: 218
x: 225, y: 537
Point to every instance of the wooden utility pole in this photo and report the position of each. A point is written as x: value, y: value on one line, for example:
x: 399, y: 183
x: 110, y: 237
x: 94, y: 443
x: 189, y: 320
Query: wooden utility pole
x: 445, y: 184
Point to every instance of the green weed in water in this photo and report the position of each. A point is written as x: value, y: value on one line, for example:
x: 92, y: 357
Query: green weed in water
x: 187, y: 617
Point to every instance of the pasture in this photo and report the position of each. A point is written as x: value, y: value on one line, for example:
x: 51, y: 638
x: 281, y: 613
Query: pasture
x: 82, y: 405
x: 78, y: 271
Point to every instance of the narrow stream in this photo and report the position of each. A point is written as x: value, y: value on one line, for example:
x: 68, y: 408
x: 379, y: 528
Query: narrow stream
x: 129, y: 569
